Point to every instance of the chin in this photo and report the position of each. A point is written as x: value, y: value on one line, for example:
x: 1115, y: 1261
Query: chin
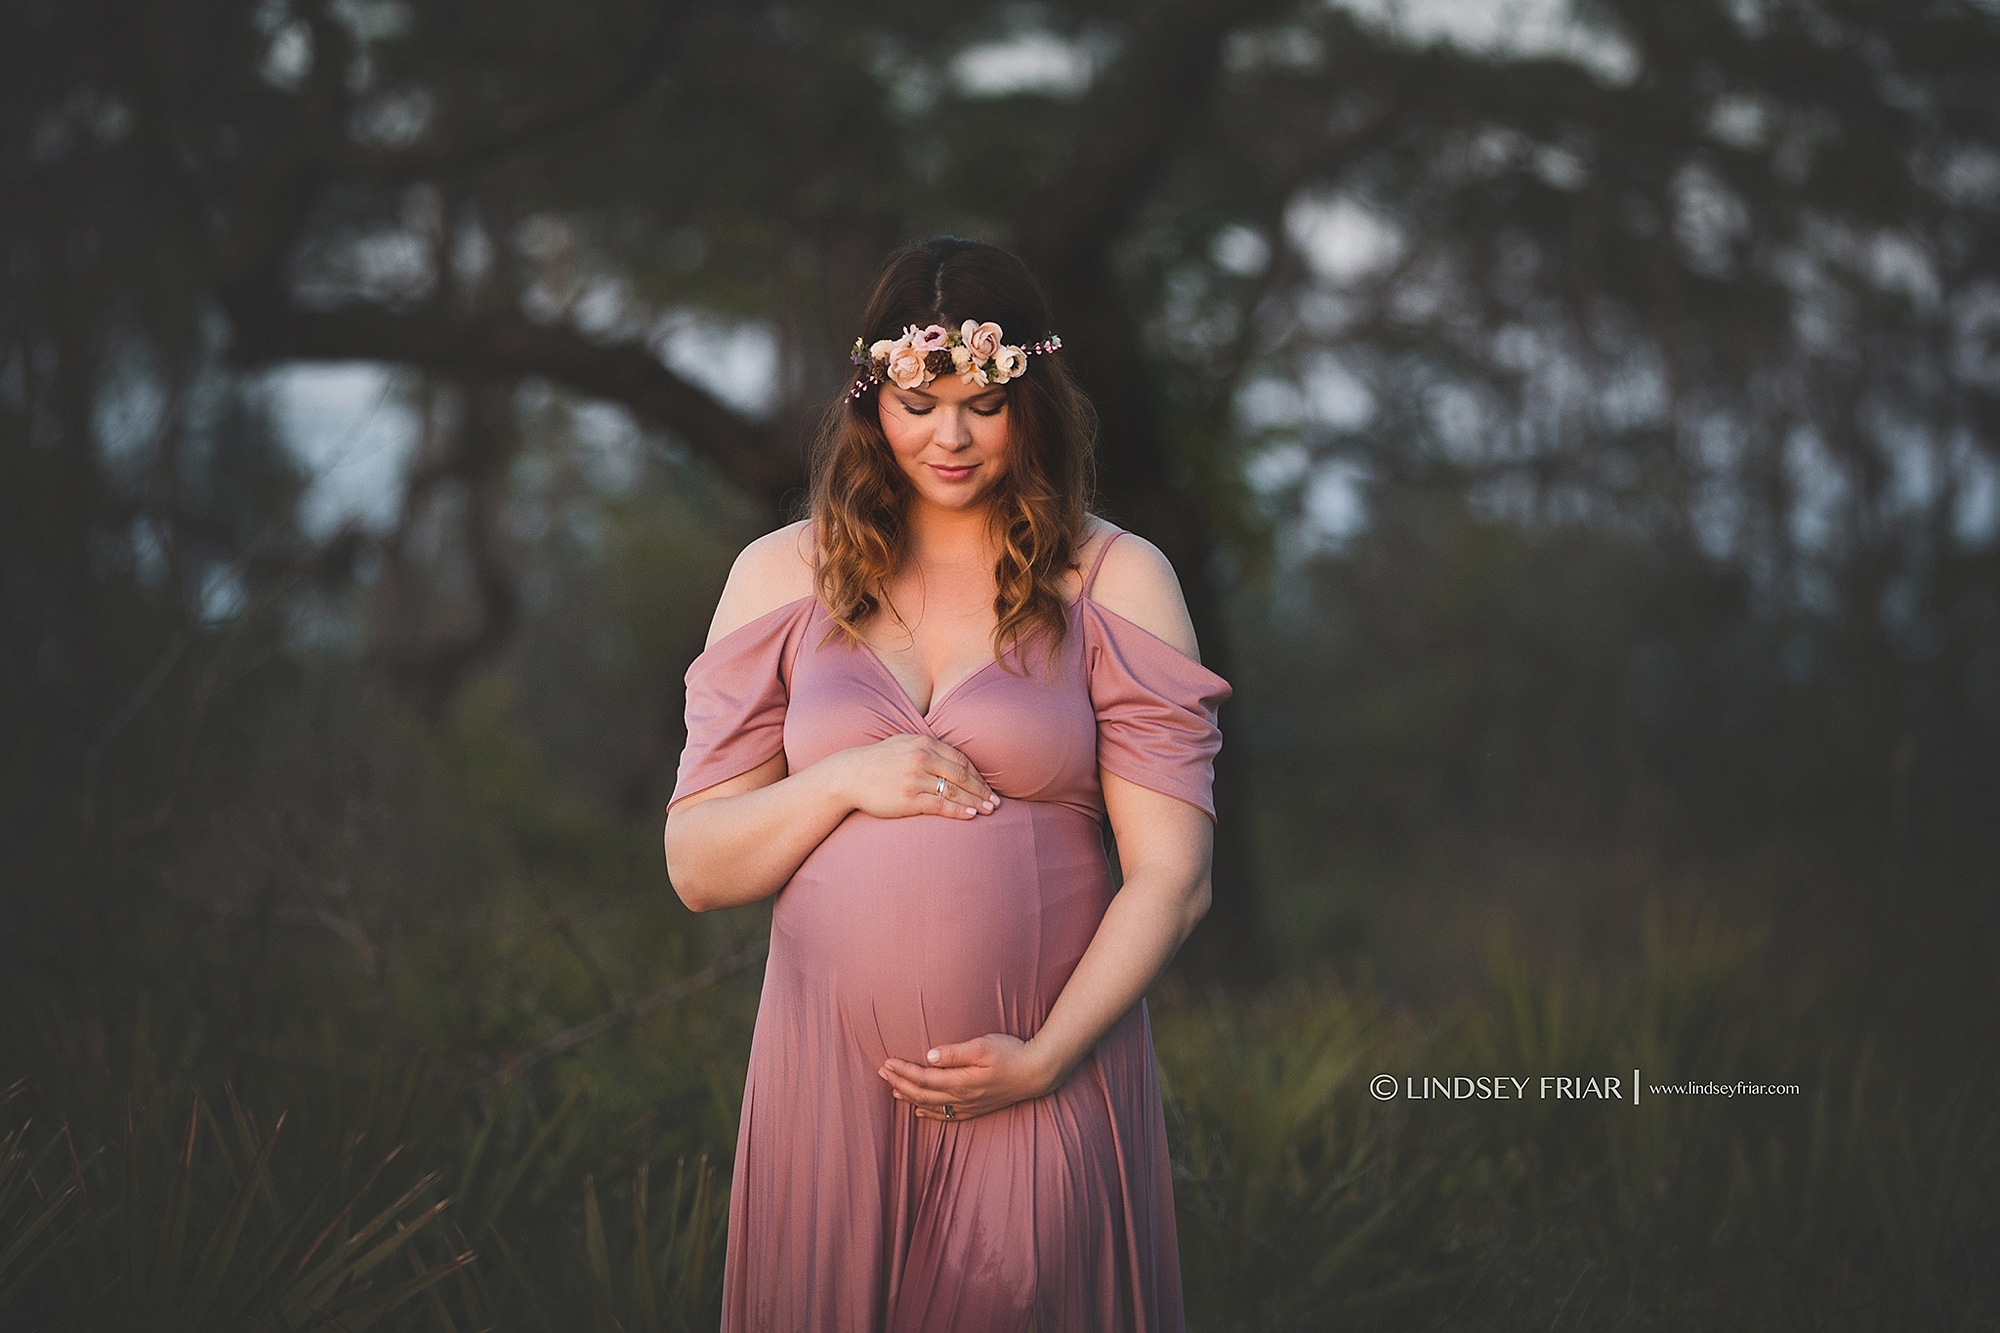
x: 953, y: 498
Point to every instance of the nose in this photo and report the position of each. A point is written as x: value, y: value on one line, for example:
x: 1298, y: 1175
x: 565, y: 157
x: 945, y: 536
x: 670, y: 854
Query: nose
x: 953, y: 431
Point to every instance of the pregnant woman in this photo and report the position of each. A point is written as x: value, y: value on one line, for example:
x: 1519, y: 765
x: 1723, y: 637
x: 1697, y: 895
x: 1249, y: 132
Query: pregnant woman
x: 915, y: 711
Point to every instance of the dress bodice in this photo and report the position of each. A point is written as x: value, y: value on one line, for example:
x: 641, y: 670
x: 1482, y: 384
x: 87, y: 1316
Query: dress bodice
x: 1037, y: 725
x: 1031, y: 735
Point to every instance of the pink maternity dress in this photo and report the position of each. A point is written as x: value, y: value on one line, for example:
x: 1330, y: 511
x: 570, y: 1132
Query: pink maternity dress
x: 847, y: 1212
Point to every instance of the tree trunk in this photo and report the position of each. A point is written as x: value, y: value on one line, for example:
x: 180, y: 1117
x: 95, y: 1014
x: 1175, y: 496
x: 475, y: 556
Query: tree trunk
x: 1138, y: 488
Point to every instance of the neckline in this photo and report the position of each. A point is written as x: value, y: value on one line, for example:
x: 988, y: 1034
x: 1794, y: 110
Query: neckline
x: 1072, y: 606
x: 938, y: 700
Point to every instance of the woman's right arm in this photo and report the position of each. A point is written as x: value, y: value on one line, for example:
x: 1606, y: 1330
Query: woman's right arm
x: 741, y: 840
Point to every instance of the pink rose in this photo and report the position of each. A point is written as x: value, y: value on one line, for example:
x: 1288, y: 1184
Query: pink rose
x: 1008, y: 363
x: 969, y: 370
x: 906, y: 366
x: 927, y: 340
x: 982, y: 339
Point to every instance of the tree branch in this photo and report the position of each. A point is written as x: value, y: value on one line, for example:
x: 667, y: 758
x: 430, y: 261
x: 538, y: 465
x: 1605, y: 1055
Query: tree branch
x: 505, y: 346
x: 525, y: 127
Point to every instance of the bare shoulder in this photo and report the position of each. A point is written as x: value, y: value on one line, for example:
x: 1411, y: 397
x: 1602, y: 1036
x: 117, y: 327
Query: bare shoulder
x: 1138, y: 583
x: 773, y: 571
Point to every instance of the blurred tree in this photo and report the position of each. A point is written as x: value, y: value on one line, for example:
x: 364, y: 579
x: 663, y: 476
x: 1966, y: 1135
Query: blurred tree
x: 1719, y: 276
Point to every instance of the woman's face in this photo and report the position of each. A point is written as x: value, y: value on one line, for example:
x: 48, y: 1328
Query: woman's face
x: 949, y: 437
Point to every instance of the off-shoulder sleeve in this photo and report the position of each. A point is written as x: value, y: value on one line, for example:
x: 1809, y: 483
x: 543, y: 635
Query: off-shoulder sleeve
x: 1156, y: 709
x: 737, y: 691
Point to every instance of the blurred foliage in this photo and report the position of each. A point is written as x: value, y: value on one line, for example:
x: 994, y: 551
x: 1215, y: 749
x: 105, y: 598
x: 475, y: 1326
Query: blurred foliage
x: 1306, y: 1202
x: 1464, y: 725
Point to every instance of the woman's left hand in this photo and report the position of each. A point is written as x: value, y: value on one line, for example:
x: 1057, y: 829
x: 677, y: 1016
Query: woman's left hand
x: 973, y: 1078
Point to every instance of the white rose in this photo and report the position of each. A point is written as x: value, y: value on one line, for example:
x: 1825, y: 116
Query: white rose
x: 983, y: 339
x: 968, y: 369
x: 906, y: 366
x: 881, y: 348
x: 1008, y: 363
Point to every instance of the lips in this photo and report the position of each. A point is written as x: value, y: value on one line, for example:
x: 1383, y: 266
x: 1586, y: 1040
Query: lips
x: 952, y: 473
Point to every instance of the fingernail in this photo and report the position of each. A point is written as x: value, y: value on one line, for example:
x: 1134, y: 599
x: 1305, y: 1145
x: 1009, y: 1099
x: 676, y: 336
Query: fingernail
x: 932, y: 1057
x: 970, y: 811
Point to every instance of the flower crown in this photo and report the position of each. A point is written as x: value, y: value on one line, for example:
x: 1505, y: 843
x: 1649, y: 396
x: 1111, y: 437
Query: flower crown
x: 976, y: 351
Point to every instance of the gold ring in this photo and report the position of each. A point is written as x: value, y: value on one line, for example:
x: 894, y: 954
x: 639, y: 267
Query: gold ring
x: 948, y: 1112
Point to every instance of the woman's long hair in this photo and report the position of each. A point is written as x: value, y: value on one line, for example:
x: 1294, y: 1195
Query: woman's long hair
x: 860, y: 497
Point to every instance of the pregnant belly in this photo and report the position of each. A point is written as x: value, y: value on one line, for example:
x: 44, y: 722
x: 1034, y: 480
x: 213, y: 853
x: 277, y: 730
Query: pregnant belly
x: 926, y: 930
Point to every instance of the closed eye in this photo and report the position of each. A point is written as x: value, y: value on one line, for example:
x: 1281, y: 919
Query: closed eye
x: 992, y: 411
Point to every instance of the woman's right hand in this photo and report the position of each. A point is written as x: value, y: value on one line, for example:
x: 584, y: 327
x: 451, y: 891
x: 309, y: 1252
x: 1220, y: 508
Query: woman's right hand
x: 899, y: 776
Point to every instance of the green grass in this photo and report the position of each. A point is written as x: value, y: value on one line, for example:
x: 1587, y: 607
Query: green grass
x: 384, y: 1200
x: 1869, y: 1200
x: 399, y: 1195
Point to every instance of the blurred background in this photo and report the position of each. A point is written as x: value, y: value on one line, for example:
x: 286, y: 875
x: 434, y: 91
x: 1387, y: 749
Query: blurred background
x: 1577, y: 429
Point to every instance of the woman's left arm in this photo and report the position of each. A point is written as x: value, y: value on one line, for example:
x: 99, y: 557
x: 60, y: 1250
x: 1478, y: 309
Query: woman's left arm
x: 1165, y: 847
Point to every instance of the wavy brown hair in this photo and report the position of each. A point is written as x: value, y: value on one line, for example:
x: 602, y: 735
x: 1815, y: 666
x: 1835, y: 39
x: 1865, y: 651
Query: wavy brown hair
x: 860, y: 497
